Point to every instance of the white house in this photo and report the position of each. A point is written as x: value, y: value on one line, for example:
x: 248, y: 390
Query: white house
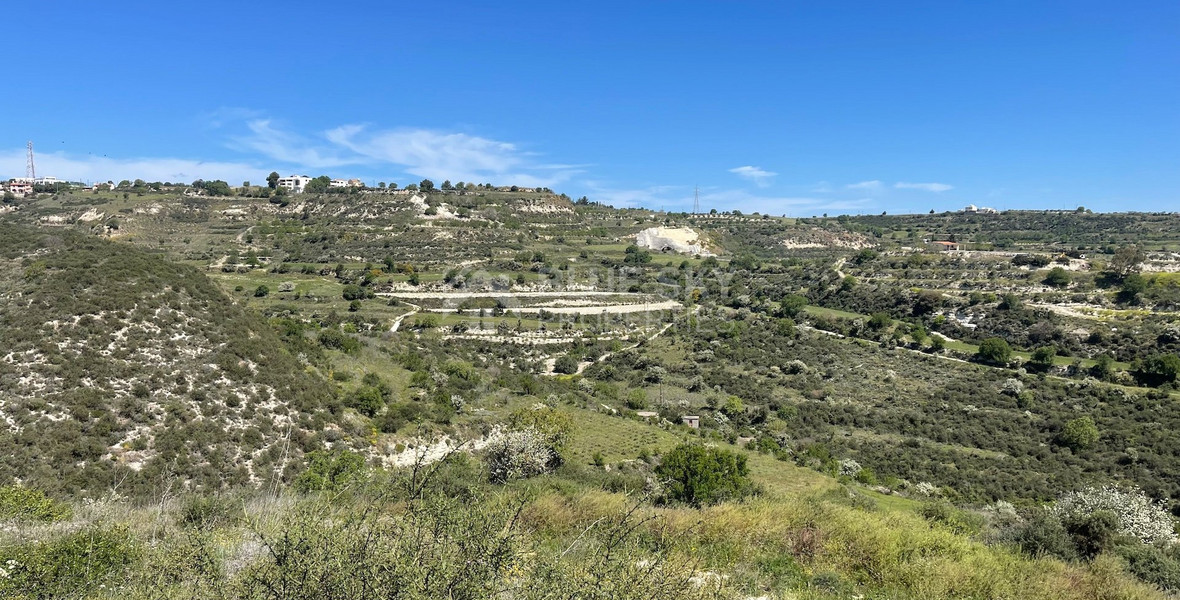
x: 20, y: 187
x: 295, y: 183
x: 46, y: 181
x: 338, y: 183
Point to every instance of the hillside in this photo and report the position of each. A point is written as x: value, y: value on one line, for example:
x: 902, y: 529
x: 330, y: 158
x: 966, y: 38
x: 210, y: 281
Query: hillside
x: 124, y: 370
x: 858, y: 369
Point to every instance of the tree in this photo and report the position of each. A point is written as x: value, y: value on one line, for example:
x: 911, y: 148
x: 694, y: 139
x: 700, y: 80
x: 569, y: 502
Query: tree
x: 1103, y: 367
x: 1079, y: 434
x: 565, y: 364
x: 1158, y: 370
x: 1057, y: 277
x: 792, y: 305
x: 1042, y: 358
x: 1126, y: 260
x: 446, y: 185
x: 318, y: 185
x: 699, y: 476
x: 879, y: 321
x: 426, y: 185
x: 272, y: 180
x: 995, y: 351
x: 1133, y: 285
x: 217, y: 187
x: 1010, y: 302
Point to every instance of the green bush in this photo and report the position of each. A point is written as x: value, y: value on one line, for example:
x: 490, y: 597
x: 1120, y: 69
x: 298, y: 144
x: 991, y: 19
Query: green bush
x: 209, y: 512
x: 995, y: 351
x: 699, y: 476
x: 1079, y: 434
x: 1158, y: 369
x: 19, y: 503
x: 68, y: 566
x: 330, y: 471
x: 1057, y: 277
x: 1153, y: 564
x: 565, y: 364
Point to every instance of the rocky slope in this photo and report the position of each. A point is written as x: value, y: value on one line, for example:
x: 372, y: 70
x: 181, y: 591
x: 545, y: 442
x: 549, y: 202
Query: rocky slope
x: 120, y: 368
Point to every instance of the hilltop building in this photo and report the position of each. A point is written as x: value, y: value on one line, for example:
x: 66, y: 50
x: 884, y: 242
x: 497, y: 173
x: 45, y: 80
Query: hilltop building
x: 21, y: 186
x: 982, y: 210
x: 294, y: 183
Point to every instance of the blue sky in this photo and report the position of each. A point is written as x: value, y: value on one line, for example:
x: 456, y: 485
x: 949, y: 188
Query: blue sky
x: 791, y: 108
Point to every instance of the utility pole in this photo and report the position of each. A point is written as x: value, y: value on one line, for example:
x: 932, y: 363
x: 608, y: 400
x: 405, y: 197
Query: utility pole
x: 696, y: 200
x: 30, y: 168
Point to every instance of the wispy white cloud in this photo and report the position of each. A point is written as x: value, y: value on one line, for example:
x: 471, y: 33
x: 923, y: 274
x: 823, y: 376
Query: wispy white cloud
x: 870, y: 186
x: 457, y: 156
x: 102, y: 168
x: 758, y: 175
x: 420, y: 152
x: 928, y: 187
x: 287, y: 147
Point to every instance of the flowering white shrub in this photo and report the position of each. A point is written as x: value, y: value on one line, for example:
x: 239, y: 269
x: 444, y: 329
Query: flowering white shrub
x: 926, y: 489
x: 1138, y: 516
x: 519, y: 454
x: 1012, y: 387
x: 849, y: 467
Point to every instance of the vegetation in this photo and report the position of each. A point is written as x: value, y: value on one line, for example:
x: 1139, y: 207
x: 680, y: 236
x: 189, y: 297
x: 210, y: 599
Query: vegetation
x: 199, y: 388
x: 698, y: 476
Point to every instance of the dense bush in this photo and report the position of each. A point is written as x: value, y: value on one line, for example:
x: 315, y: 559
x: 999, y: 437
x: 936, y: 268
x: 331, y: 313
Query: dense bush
x: 69, y: 566
x: 19, y: 503
x: 330, y: 471
x: 700, y: 475
x: 1135, y: 515
x: 519, y: 454
x: 995, y: 351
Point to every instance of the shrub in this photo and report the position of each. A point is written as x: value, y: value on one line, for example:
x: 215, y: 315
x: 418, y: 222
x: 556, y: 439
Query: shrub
x: 261, y: 291
x: 1044, y: 535
x: 879, y: 320
x: 65, y: 567
x: 1079, y: 434
x: 1042, y: 358
x: 699, y: 476
x: 19, y: 503
x: 1057, y: 277
x: 519, y: 454
x: 555, y: 427
x: 209, y: 512
x: 330, y: 471
x: 995, y: 351
x: 1135, y: 514
x: 1158, y: 369
x: 1153, y: 564
x: 565, y: 364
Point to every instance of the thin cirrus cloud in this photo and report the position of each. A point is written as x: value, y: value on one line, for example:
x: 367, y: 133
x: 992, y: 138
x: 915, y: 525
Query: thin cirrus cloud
x: 758, y: 175
x: 89, y: 168
x: 870, y: 186
x: 927, y: 187
x: 419, y: 152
